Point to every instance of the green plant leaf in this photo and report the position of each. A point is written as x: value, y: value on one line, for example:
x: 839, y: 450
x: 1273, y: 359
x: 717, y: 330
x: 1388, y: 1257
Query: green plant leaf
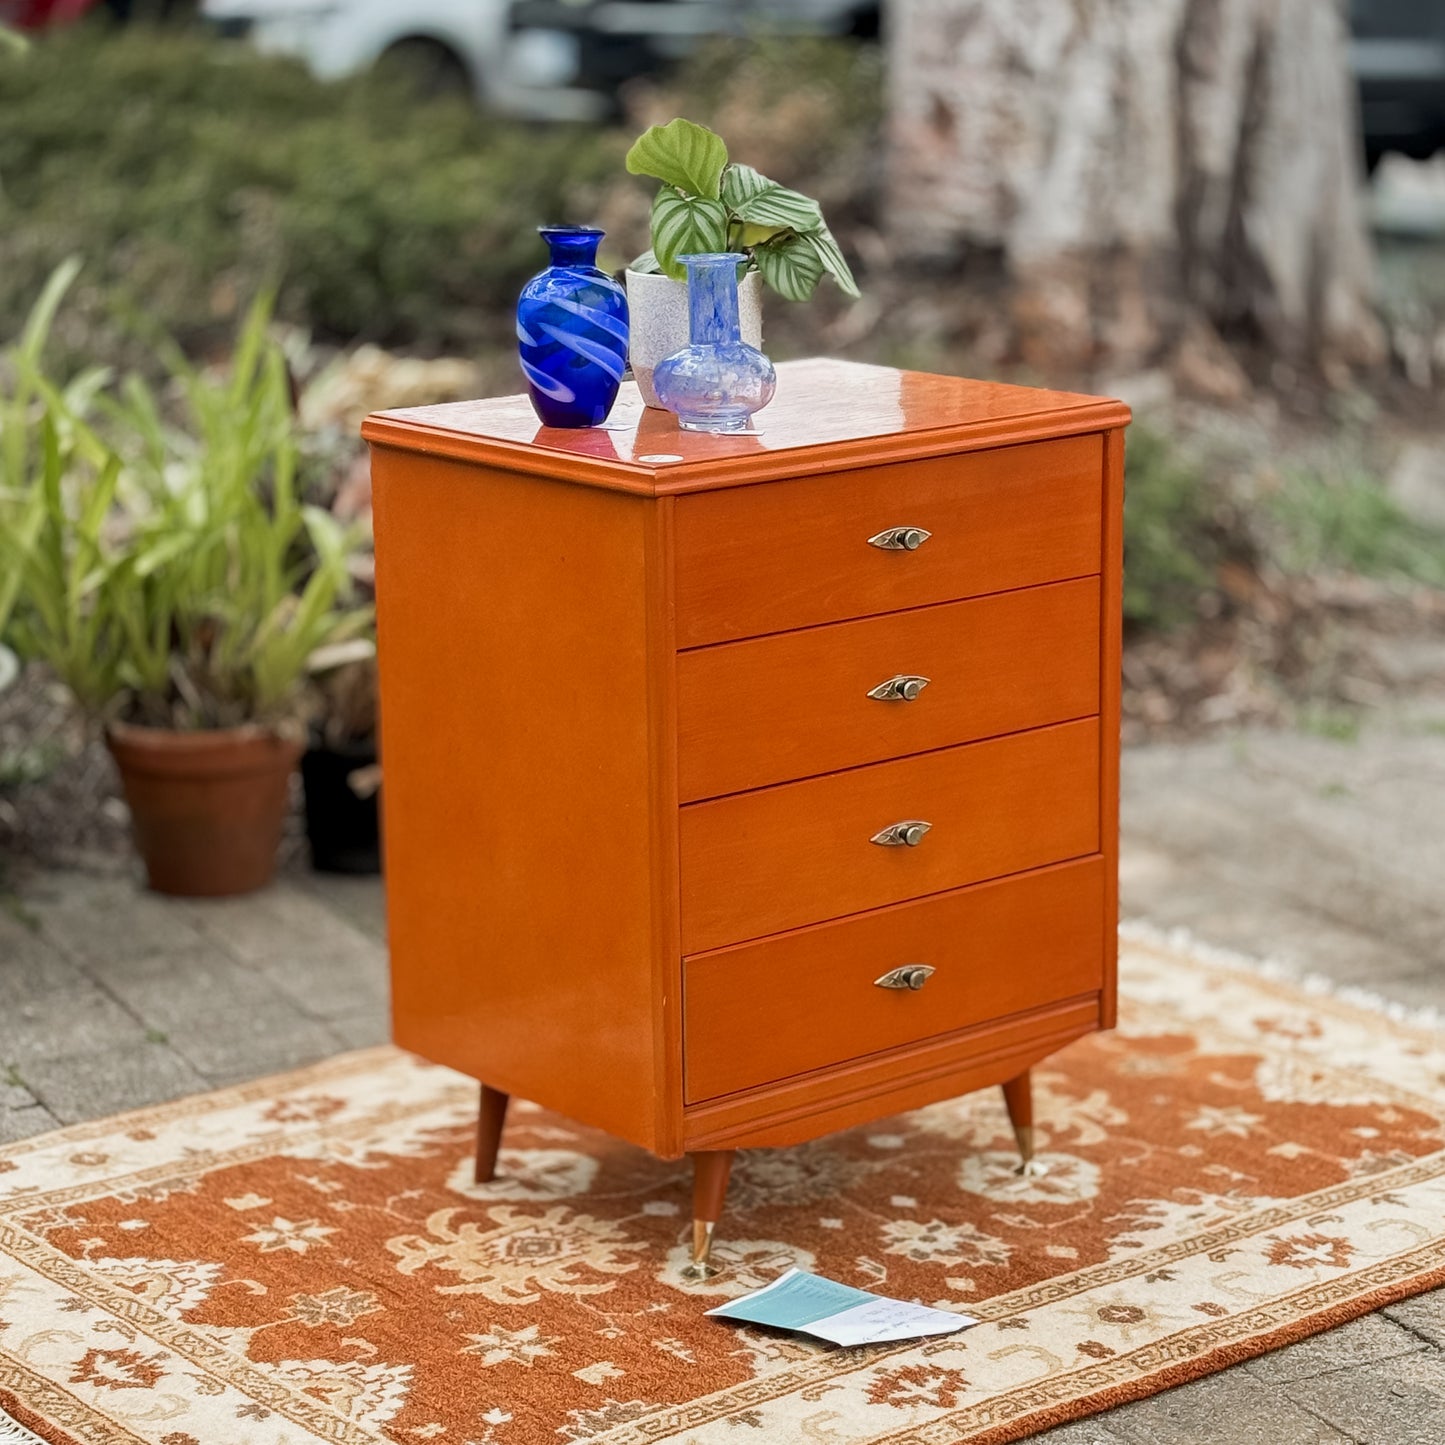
x: 180, y: 578
x: 683, y: 226
x: 790, y: 266
x: 753, y: 197
x: 750, y: 235
x: 682, y: 154
x: 741, y: 183
x: 37, y: 325
x: 827, y: 250
x: 646, y: 264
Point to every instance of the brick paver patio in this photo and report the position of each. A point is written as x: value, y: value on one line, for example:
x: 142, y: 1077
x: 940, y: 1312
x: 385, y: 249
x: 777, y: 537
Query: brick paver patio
x: 1328, y: 855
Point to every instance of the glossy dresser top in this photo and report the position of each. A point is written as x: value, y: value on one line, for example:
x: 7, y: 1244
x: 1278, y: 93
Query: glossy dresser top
x: 826, y: 415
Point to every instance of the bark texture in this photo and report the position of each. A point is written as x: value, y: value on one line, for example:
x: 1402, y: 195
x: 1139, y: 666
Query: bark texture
x: 1152, y: 174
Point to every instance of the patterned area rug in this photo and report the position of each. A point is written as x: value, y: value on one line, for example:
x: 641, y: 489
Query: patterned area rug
x: 304, y: 1259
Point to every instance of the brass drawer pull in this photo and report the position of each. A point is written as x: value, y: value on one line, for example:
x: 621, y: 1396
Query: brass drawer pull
x: 900, y: 539
x: 911, y: 976
x: 904, y: 687
x: 907, y: 834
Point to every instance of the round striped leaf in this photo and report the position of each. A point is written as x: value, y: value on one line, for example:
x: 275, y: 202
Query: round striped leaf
x: 684, y: 226
x: 782, y: 207
x: 790, y: 267
x: 754, y: 198
x: 741, y: 183
x: 833, y: 262
x: 682, y: 154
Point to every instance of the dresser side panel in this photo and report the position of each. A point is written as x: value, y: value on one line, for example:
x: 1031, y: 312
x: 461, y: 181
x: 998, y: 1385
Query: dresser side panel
x: 1111, y: 625
x: 518, y: 711
x: 663, y: 774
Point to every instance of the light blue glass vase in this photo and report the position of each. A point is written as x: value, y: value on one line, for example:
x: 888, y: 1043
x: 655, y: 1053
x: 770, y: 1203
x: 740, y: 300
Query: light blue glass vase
x: 719, y: 381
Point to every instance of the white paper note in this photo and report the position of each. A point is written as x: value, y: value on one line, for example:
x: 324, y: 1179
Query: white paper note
x: 838, y: 1313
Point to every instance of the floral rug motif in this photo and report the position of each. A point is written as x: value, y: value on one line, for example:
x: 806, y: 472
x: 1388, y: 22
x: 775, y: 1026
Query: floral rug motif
x: 305, y: 1259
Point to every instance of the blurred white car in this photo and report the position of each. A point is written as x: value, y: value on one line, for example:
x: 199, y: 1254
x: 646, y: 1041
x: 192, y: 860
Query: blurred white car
x: 446, y: 44
x: 558, y: 59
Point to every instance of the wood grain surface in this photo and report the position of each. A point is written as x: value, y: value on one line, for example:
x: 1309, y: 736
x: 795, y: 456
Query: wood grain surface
x: 527, y: 850
x: 796, y: 704
x: 996, y: 949
x: 795, y: 553
x: 827, y: 415
x: 940, y: 1067
x: 623, y: 692
x: 757, y: 863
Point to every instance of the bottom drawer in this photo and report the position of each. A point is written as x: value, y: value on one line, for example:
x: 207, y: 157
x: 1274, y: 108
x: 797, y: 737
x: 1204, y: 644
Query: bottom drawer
x: 808, y: 999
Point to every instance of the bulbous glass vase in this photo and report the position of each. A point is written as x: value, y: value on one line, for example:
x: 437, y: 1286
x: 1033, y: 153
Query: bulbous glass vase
x: 572, y: 331
x: 719, y: 381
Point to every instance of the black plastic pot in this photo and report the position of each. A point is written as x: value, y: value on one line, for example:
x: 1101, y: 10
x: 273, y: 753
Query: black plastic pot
x: 342, y: 827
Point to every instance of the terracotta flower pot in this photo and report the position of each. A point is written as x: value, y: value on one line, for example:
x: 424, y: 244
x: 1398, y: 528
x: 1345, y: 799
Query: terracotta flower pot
x: 206, y: 807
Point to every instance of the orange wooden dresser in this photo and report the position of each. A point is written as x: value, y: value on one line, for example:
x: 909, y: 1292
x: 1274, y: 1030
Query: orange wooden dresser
x: 743, y: 788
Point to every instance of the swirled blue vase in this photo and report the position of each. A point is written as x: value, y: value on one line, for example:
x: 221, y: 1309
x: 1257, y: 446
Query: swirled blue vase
x: 572, y: 331
x: 718, y: 381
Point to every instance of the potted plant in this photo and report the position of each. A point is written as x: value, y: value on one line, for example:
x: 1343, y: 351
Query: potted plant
x: 340, y: 771
x: 707, y: 203
x: 26, y: 468
x: 179, y: 586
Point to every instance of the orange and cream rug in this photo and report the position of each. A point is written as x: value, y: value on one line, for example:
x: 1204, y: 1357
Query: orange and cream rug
x: 304, y: 1259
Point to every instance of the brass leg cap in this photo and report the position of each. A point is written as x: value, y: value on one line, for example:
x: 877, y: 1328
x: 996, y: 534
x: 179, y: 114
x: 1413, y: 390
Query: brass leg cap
x: 1028, y: 1166
x: 701, y: 1266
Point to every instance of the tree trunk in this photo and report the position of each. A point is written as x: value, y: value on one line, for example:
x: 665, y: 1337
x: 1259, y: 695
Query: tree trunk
x: 1153, y: 175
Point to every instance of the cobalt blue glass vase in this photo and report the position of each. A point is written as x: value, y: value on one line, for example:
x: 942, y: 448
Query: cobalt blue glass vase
x: 719, y: 381
x: 572, y: 331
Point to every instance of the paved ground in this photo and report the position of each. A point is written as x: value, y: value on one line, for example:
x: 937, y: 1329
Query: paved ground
x: 1330, y: 855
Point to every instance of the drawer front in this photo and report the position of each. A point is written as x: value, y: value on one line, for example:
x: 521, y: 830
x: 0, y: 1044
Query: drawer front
x: 996, y: 949
x: 797, y: 704
x: 754, y: 560
x: 757, y: 863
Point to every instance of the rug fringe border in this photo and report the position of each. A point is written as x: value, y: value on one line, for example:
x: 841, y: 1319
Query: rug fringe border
x: 1182, y: 940
x: 1090, y: 1406
x: 12, y: 1432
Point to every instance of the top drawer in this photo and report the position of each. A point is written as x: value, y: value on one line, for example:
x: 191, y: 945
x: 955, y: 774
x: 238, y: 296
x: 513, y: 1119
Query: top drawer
x: 780, y: 555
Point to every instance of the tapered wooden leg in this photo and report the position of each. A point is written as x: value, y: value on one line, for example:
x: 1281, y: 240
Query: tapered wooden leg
x: 709, y: 1187
x: 1018, y: 1094
x: 490, y: 1118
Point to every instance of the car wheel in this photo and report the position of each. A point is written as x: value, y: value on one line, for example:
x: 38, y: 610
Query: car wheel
x: 426, y: 67
x: 865, y: 23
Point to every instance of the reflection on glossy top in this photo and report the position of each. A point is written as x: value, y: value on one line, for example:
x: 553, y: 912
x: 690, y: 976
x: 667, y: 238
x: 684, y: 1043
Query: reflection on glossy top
x: 825, y: 413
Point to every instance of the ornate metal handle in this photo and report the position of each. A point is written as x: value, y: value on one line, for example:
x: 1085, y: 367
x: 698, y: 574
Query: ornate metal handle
x: 911, y: 976
x: 900, y: 539
x: 907, y: 834
x: 903, y: 687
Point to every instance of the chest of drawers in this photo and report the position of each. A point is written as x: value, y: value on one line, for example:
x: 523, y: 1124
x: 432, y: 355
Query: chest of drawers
x: 739, y: 789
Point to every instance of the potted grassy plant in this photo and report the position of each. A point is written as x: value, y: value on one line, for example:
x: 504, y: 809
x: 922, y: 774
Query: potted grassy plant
x: 707, y: 203
x: 179, y: 586
x: 25, y: 464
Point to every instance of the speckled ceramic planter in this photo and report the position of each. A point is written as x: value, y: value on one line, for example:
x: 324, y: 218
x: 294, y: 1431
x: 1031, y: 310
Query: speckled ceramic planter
x: 659, y: 322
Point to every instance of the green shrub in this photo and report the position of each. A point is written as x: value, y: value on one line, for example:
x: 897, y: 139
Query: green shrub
x: 1338, y: 518
x: 189, y: 173
x: 1172, y: 541
x: 57, y: 489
